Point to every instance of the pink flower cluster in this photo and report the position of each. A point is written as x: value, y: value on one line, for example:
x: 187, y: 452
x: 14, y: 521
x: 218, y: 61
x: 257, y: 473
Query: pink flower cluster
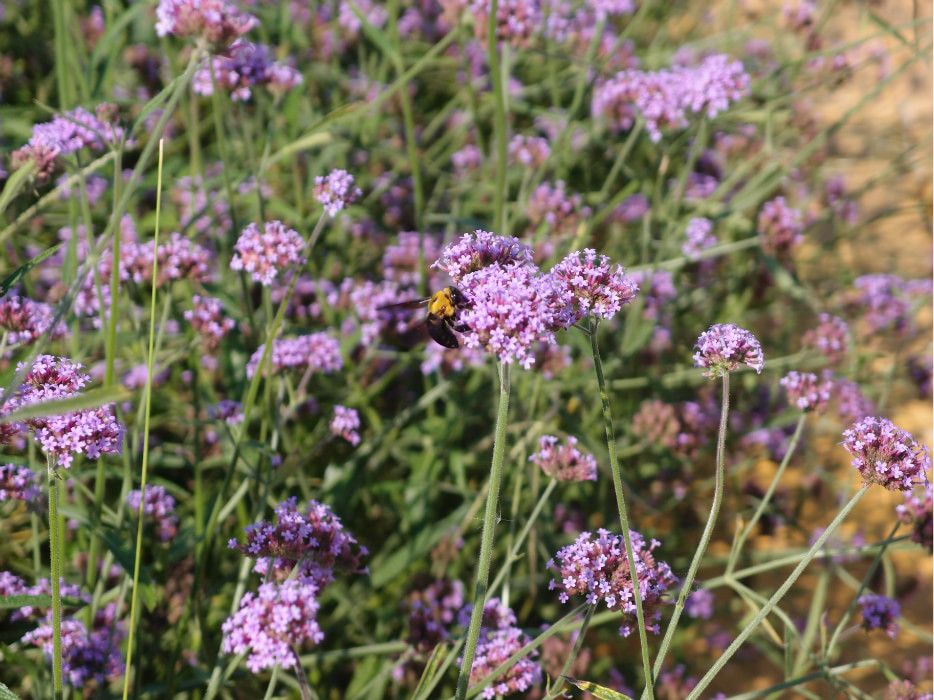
x: 317, y: 351
x: 564, y: 463
x: 264, y: 253
x: 887, y: 455
x: 699, y: 237
x: 24, y: 320
x: 344, y: 424
x: 724, y: 347
x: 18, y: 483
x: 208, y: 320
x: 829, y: 337
x: 806, y: 392
x: 159, y: 506
x: 336, y: 191
x: 245, y: 66
x: 550, y: 204
x: 600, y: 570
x: 216, y: 21
x: 917, y: 512
x: 779, y: 227
x: 664, y: 97
x: 480, y: 249
x: 528, y: 151
x: 880, y: 612
x: 597, y: 286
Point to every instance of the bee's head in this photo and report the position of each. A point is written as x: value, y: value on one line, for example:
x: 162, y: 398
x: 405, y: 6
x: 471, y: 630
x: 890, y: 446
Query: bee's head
x: 458, y: 298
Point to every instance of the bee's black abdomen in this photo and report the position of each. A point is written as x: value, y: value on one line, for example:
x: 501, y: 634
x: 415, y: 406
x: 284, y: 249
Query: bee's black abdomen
x: 441, y: 333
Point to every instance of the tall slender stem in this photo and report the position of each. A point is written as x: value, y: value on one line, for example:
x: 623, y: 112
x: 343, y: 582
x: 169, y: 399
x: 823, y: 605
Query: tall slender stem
x: 56, y: 566
x: 708, y: 528
x: 486, y: 541
x: 621, y: 503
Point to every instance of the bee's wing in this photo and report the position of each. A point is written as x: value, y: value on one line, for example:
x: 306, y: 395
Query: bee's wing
x: 441, y: 332
x: 411, y: 304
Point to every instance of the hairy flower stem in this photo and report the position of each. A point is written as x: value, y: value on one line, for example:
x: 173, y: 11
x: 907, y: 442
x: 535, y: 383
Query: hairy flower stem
x: 486, y: 541
x: 708, y: 528
x: 776, y: 597
x: 55, y: 548
x: 499, y: 73
x: 303, y: 685
x: 621, y: 504
x: 578, y: 643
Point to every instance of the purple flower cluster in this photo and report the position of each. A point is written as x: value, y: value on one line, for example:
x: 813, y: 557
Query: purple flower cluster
x: 198, y: 205
x: 517, y: 21
x: 66, y: 134
x: 245, y: 66
x: 699, y: 237
x: 336, y: 191
x: 91, y: 432
x: 779, y: 227
x: 315, y: 538
x: 344, y: 424
x: 884, y: 301
x: 597, y: 287
x: 499, y: 640
x: 317, y: 352
x: 18, y: 483
x: 699, y: 604
x: 264, y: 253
x: 852, y: 403
x: 433, y: 612
x: 480, y: 249
x: 829, y: 338
x: 552, y: 205
x: 10, y: 584
x: 272, y: 622
x: 528, y: 151
x: 86, y: 656
x: 600, y: 570
x: 227, y: 410
x: 160, y: 506
x: 24, y: 320
x: 806, y: 392
x: 724, y: 347
x: 880, y: 612
x: 917, y: 512
x: 665, y: 97
x: 207, y: 318
x: 467, y: 159
x: 564, y: 463
x: 217, y: 21
x: 887, y: 455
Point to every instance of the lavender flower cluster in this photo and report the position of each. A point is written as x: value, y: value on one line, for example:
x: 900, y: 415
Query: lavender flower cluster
x: 159, y: 506
x: 724, y: 347
x: 887, y: 455
x: 564, y: 463
x: 245, y: 66
x: 314, y: 352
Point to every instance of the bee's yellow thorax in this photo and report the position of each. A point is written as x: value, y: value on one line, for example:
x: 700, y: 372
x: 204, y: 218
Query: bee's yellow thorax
x: 441, y: 304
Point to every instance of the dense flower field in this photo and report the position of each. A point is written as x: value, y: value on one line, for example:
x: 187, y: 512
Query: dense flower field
x: 527, y: 348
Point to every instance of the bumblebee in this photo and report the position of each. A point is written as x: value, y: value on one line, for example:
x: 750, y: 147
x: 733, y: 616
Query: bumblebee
x: 442, y: 314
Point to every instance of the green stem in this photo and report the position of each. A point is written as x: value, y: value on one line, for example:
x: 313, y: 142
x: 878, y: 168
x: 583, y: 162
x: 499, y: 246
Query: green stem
x: 776, y: 597
x: 303, y: 685
x: 708, y: 528
x: 499, y: 121
x: 486, y: 541
x: 578, y: 643
x: 621, y: 504
x: 55, y: 548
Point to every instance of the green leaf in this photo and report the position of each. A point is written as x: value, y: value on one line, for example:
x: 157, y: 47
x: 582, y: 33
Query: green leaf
x: 7, y: 283
x: 7, y: 694
x: 598, y: 691
x: 15, y: 184
x: 89, y: 399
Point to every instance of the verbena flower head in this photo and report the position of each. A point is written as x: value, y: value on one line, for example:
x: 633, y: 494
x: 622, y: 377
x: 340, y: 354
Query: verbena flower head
x: 227, y: 410
x: 18, y: 483
x: 806, y: 392
x: 345, y: 423
x: 551, y: 204
x: 264, y: 253
x: 336, y: 191
x: 516, y: 20
x: 247, y: 65
x: 597, y: 286
x: 880, y: 612
x: 916, y: 512
x: 829, y: 337
x: 599, y: 569
x: 319, y: 351
x: 480, y: 249
x: 699, y: 234
x: 724, y: 347
x: 314, y: 536
x: 779, y: 227
x: 885, y: 301
x: 699, y: 604
x: 528, y: 151
x: 564, y: 463
x: 159, y: 507
x: 887, y: 455
x: 24, y: 320
x: 511, y: 309
x: 216, y: 21
x: 273, y: 621
x: 86, y: 656
x: 852, y: 403
x: 433, y: 611
x: 208, y: 320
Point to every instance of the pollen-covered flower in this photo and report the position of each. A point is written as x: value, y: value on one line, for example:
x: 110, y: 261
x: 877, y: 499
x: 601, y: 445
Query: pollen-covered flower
x: 699, y: 237
x: 600, y: 570
x: 880, y: 612
x: 887, y: 455
x: 829, y: 338
x: 597, y: 286
x: 511, y: 309
x: 159, y: 507
x: 806, y: 392
x: 313, y: 537
x: 245, y: 66
x: 264, y: 253
x: 18, y: 483
x: 207, y: 318
x: 724, y: 347
x: 317, y: 351
x: 336, y: 191
x: 217, y: 21
x: 345, y: 423
x: 480, y: 249
x: 272, y: 622
x: 779, y: 227
x: 916, y: 512
x: 564, y: 463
